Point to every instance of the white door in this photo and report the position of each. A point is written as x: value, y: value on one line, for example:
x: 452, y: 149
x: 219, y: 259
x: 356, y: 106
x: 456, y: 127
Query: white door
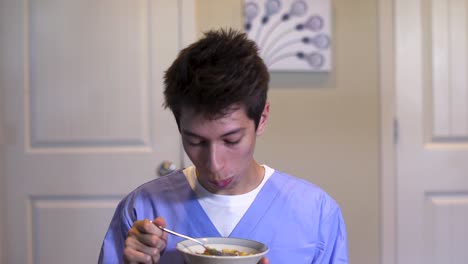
x: 432, y: 149
x: 84, y: 122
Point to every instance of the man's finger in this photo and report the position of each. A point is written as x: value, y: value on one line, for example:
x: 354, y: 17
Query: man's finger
x: 160, y: 222
x: 147, y: 227
x: 133, y: 256
x: 264, y: 260
x: 140, y: 247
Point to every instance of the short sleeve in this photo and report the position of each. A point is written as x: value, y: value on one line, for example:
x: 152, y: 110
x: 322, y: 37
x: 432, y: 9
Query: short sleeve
x: 113, y: 243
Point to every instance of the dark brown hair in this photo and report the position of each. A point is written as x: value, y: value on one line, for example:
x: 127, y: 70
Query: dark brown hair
x: 221, y: 70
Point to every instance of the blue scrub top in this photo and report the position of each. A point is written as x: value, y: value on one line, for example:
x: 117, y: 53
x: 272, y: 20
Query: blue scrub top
x: 298, y: 221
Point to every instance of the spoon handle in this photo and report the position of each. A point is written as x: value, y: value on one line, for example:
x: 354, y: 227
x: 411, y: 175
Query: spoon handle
x: 180, y: 235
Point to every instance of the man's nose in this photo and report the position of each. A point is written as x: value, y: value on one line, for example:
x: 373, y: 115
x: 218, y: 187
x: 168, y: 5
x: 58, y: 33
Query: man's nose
x: 215, y: 160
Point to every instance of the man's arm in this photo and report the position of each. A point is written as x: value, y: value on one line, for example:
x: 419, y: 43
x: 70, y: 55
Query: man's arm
x: 333, y: 229
x: 113, y: 243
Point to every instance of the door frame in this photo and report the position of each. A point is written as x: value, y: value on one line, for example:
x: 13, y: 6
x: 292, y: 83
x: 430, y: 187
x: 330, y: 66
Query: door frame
x: 2, y: 178
x: 3, y: 142
x: 188, y: 33
x: 388, y: 133
x: 2, y: 172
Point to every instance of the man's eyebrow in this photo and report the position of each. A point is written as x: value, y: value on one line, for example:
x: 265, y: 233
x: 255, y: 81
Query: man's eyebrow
x: 235, y: 131
x: 191, y: 134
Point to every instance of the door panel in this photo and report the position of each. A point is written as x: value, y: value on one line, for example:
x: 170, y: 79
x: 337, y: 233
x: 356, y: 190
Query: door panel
x: 432, y: 152
x: 99, y: 50
x: 84, y: 233
x: 84, y: 88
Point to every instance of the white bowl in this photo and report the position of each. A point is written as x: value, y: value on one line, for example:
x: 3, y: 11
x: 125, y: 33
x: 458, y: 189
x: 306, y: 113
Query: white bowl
x: 192, y: 251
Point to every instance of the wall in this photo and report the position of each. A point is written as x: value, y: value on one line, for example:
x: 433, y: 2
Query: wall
x: 325, y: 127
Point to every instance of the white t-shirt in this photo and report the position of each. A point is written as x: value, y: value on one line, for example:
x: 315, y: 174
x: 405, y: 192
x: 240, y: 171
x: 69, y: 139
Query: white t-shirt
x: 224, y: 211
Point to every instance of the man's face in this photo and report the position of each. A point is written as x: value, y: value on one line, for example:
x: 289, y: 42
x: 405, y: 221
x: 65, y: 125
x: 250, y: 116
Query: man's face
x: 222, y: 149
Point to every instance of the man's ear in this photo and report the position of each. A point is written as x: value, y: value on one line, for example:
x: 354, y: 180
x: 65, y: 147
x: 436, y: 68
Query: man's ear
x: 263, y: 119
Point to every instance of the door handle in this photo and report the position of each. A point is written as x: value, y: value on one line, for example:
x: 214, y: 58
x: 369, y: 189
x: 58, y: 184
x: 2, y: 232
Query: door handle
x: 165, y: 168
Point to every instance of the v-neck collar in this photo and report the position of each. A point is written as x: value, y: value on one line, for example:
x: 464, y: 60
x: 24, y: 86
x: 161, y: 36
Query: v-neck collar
x: 257, y: 210
x: 200, y: 225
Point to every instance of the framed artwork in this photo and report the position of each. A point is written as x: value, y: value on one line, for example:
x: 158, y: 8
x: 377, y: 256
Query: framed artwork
x: 292, y: 35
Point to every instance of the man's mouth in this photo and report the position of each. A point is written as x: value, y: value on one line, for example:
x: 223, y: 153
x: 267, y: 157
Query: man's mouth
x: 222, y: 183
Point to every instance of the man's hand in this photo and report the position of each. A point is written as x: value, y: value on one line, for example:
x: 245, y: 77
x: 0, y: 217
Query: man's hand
x: 264, y: 260
x: 145, y: 242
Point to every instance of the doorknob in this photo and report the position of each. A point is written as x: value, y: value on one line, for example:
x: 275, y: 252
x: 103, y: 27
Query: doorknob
x: 166, y: 167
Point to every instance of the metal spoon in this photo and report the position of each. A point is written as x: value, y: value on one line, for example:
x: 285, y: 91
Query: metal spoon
x: 184, y: 236
x: 209, y: 250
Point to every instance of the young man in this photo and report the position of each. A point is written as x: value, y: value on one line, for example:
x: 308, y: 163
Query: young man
x: 217, y: 90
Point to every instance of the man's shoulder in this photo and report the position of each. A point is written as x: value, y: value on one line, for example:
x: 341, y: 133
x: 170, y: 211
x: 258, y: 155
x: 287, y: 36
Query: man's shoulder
x: 295, y: 182
x: 302, y: 190
x: 160, y: 186
x: 175, y: 177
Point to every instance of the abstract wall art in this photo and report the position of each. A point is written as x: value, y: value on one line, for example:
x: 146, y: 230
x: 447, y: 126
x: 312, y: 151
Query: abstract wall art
x: 292, y: 35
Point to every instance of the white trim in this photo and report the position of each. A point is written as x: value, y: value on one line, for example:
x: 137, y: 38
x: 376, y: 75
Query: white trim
x: 2, y: 186
x: 388, y: 213
x: 187, y: 22
x: 2, y: 149
x: 187, y: 35
x: 2, y: 175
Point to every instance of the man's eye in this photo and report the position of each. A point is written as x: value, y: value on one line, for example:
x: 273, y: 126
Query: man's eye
x: 195, y: 142
x: 232, y: 142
